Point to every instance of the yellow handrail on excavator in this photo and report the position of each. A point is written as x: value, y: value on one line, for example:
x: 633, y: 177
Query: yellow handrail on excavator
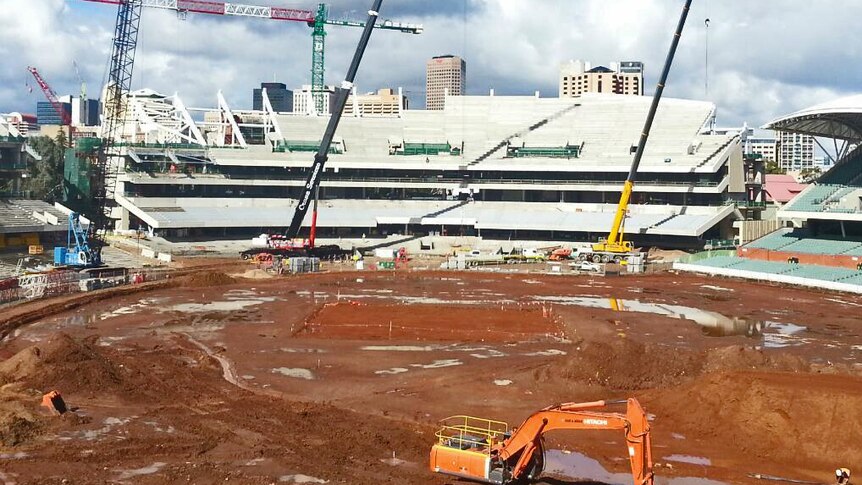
x: 615, y: 242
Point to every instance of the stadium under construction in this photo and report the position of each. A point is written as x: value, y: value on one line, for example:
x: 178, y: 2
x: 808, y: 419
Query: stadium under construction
x: 499, y: 167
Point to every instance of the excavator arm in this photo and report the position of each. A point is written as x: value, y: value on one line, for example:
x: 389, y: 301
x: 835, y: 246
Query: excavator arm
x: 486, y: 451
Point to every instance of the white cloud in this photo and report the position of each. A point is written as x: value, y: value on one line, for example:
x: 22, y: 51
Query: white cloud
x: 767, y: 58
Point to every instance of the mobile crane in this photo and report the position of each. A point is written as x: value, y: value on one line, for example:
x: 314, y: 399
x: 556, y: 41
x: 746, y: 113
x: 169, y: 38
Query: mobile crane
x: 485, y: 450
x: 289, y: 244
x: 615, y: 247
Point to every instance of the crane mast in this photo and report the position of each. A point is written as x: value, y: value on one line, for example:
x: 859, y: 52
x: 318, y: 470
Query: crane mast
x: 341, y: 94
x: 616, y: 242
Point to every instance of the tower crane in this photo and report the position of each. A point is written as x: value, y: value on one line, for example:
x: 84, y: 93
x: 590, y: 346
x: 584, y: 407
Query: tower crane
x: 65, y: 118
x: 317, y: 20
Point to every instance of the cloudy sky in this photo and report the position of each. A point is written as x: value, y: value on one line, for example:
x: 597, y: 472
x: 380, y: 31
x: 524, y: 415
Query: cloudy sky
x: 766, y: 57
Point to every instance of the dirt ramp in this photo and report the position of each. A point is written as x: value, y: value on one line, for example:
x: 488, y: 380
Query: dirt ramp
x: 61, y: 363
x: 775, y: 417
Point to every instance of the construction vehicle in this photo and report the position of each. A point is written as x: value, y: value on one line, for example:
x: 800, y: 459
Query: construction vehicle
x: 77, y: 252
x: 615, y: 247
x: 487, y: 451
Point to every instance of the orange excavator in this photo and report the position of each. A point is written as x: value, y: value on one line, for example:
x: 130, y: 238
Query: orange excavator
x: 487, y: 451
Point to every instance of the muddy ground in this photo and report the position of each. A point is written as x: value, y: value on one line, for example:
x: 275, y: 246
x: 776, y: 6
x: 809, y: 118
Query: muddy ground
x: 341, y: 377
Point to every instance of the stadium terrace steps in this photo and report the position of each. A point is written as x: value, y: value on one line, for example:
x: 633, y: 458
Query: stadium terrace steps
x: 799, y: 241
x: 810, y: 271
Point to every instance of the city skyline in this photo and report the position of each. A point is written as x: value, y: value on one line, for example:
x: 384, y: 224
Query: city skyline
x: 513, y: 48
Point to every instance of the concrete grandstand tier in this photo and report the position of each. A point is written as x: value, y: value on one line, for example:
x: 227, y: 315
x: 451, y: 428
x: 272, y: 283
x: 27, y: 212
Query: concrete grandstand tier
x: 166, y: 214
x: 528, y: 164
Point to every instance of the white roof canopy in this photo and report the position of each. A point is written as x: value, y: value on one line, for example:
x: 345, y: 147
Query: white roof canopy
x: 840, y: 118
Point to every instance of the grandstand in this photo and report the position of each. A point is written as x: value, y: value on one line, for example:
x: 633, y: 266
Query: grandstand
x: 825, y: 240
x: 515, y: 166
x: 31, y: 222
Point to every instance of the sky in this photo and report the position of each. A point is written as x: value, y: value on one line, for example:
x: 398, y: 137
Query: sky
x: 766, y: 58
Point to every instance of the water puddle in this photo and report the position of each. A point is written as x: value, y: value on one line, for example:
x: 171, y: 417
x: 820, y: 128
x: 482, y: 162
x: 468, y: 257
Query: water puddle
x: 693, y: 460
x: 391, y: 371
x: 502, y: 382
x: 546, y: 353
x: 713, y: 324
x: 298, y: 373
x: 147, y: 470
x: 299, y: 478
x: 579, y: 466
x: 439, y: 364
x: 214, y: 306
x: 400, y: 348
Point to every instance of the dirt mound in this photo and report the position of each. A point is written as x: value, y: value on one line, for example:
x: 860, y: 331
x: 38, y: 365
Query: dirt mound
x: 776, y: 417
x: 62, y: 363
x: 738, y: 357
x: 627, y: 365
x: 207, y: 279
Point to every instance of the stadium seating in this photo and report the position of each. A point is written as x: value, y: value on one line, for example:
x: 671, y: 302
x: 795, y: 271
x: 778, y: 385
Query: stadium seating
x: 775, y: 241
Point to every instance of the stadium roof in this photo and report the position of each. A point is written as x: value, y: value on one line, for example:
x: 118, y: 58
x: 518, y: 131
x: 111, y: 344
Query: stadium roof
x: 840, y: 118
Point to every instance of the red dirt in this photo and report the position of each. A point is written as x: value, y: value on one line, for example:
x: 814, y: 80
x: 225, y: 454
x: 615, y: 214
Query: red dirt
x: 148, y: 395
x: 359, y: 320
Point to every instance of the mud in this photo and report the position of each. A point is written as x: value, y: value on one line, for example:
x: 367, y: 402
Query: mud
x: 341, y: 377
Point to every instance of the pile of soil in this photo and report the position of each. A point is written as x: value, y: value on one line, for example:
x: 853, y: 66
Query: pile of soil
x: 61, y: 363
x: 627, y: 365
x: 206, y: 279
x: 775, y: 417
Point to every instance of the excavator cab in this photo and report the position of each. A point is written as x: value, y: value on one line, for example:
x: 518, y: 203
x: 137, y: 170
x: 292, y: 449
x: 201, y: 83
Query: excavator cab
x: 488, y: 451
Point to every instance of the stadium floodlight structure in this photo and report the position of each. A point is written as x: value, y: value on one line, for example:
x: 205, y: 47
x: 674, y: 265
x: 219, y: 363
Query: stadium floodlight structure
x: 316, y: 20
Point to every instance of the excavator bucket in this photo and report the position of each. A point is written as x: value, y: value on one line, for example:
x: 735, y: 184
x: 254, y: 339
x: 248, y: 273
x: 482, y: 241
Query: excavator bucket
x: 54, y: 402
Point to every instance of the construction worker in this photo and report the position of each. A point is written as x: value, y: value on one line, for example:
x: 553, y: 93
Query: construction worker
x: 842, y: 476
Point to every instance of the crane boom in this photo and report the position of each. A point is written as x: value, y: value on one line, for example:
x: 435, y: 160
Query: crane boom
x: 341, y: 94
x: 65, y: 118
x: 615, y: 242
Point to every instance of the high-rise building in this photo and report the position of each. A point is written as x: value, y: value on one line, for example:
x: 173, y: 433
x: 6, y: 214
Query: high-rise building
x: 578, y: 77
x: 46, y: 115
x: 303, y: 100
x: 444, y: 74
x: 279, y: 96
x: 385, y: 101
x: 795, y: 151
x: 766, y: 147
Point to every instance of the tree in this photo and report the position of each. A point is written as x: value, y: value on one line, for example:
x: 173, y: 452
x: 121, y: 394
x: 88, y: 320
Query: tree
x: 46, y: 175
x: 773, y: 168
x: 809, y: 175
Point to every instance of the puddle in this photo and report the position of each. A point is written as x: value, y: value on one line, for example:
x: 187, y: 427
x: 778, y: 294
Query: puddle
x: 713, y: 324
x: 298, y: 373
x: 147, y: 470
x: 13, y: 456
x: 215, y: 306
x: 693, y: 460
x: 716, y: 288
x: 546, y: 353
x: 400, y: 348
x: 438, y: 364
x: 391, y: 371
x: 579, y: 466
x: 502, y: 382
x: 426, y: 300
x: 298, y: 478
x: 677, y: 436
